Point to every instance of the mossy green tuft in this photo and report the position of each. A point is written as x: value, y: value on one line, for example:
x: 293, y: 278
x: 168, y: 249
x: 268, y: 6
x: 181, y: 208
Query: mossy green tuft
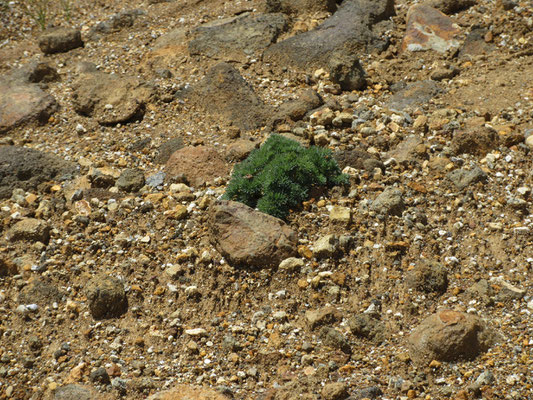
x: 278, y: 176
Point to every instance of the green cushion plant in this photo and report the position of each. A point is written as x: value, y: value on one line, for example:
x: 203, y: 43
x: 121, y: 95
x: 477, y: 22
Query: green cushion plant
x: 278, y: 176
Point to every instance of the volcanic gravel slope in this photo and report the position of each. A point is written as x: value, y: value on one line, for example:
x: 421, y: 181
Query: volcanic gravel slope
x: 111, y: 285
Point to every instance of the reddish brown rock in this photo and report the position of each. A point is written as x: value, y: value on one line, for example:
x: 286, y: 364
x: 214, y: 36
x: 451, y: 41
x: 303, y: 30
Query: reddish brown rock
x: 185, y: 392
x: 198, y: 165
x: 449, y: 336
x: 250, y: 238
x: 478, y: 141
x: 429, y: 29
x: 23, y: 103
x: 240, y: 149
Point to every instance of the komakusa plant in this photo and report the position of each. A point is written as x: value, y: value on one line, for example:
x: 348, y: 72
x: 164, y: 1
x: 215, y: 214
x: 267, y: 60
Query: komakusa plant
x: 279, y: 175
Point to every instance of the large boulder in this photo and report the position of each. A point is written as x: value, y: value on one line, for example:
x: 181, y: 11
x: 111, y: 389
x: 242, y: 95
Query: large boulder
x: 237, y: 38
x: 450, y: 336
x: 350, y: 30
x: 225, y: 94
x: 22, y: 103
x: 25, y: 168
x: 110, y: 98
x: 250, y: 238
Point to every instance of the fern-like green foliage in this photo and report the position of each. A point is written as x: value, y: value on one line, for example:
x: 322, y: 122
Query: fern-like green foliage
x: 278, y: 176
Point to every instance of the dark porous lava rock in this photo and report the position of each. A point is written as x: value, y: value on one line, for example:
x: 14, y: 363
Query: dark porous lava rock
x: 26, y: 168
x: 106, y: 296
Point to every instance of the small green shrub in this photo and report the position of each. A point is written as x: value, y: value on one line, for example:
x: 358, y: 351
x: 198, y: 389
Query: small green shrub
x: 278, y: 176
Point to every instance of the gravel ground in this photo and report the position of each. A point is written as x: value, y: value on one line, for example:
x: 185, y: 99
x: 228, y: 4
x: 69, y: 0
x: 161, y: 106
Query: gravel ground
x: 461, y: 163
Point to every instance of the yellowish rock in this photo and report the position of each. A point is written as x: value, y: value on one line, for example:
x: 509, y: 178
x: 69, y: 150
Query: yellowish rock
x: 340, y: 214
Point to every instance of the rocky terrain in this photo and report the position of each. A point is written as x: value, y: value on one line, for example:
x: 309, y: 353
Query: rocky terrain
x: 123, y: 274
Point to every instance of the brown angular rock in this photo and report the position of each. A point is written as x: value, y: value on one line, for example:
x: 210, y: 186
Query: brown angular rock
x: 110, y: 98
x: 30, y: 229
x: 323, y: 316
x: 225, y: 94
x: 199, y: 165
x: 22, y: 103
x: 335, y: 391
x: 250, y: 238
x: 186, y: 392
x: 429, y: 29
x: 449, y: 336
x: 237, y: 38
x: 296, y: 109
x: 60, y: 40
